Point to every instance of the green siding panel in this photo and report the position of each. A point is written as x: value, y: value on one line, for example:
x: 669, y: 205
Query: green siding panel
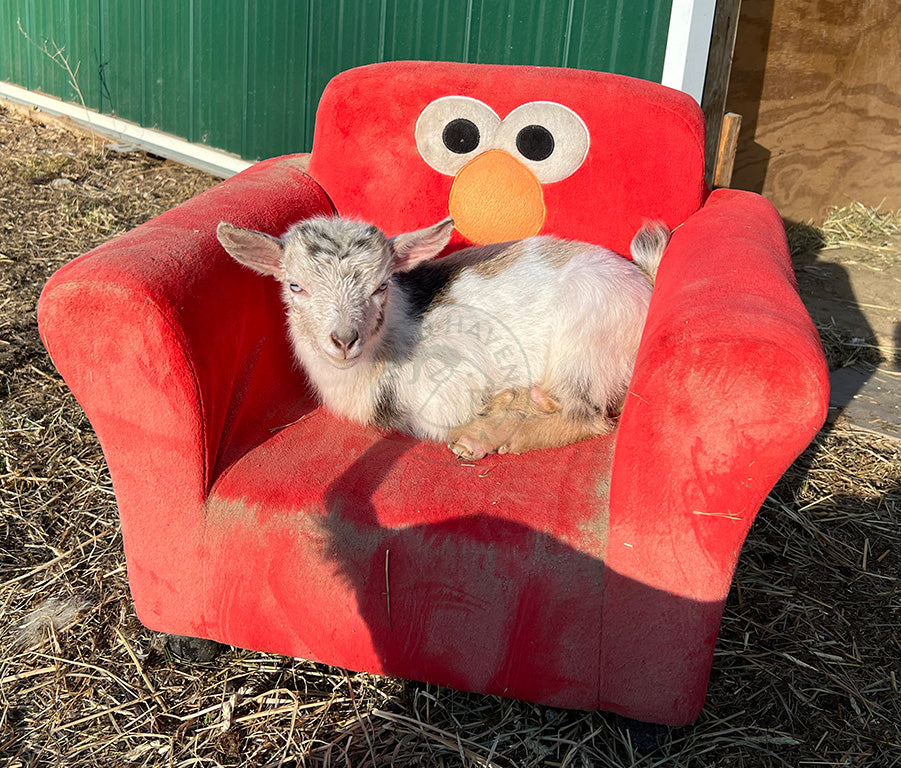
x: 246, y: 75
x: 221, y: 115
x: 275, y: 79
x: 40, y: 39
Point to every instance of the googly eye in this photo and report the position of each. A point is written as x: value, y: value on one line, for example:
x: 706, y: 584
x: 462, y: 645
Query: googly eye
x: 535, y: 142
x: 549, y: 138
x: 452, y: 130
x: 461, y: 136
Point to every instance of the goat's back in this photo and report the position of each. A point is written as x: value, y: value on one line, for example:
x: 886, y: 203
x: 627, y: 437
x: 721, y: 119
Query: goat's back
x: 516, y: 314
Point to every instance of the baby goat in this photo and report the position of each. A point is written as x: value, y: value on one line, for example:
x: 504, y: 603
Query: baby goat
x: 505, y: 347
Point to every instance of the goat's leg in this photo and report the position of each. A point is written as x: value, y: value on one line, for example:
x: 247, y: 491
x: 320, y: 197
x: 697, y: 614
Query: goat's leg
x: 532, y: 401
x: 500, y: 416
x: 485, y: 434
x: 553, y: 431
x: 515, y: 431
x: 542, y: 401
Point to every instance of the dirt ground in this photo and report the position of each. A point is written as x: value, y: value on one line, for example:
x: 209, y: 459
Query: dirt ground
x: 808, y: 661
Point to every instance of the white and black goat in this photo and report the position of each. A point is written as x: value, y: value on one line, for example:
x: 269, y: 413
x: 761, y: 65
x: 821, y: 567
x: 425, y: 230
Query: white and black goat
x: 505, y: 347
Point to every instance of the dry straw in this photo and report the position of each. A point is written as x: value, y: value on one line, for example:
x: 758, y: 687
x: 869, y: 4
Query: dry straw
x: 871, y: 239
x: 806, y: 671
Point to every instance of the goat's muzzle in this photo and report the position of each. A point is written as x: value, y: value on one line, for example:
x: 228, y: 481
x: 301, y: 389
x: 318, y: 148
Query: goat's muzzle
x: 343, y: 347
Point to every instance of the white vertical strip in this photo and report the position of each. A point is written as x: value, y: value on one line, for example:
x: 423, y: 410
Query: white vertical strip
x: 687, y: 46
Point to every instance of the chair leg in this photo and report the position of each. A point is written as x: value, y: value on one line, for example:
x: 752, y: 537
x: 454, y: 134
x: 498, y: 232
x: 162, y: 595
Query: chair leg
x: 193, y: 649
x: 645, y: 737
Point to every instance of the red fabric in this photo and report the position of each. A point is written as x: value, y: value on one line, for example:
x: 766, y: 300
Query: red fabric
x: 729, y: 387
x: 588, y: 576
x: 172, y: 351
x: 645, y: 161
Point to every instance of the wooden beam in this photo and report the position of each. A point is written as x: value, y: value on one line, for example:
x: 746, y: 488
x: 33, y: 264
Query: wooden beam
x: 725, y: 153
x: 719, y: 70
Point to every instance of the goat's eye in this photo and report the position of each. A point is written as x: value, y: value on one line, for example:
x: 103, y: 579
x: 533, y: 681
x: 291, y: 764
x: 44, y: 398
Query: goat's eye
x: 382, y: 288
x: 295, y: 288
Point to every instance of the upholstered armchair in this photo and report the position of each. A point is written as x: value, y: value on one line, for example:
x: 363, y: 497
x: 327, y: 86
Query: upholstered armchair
x: 589, y: 576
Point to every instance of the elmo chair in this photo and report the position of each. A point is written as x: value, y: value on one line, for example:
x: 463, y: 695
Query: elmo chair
x: 590, y: 576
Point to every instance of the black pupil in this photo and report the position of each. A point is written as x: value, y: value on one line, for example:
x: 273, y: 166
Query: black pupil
x: 535, y: 142
x: 461, y: 136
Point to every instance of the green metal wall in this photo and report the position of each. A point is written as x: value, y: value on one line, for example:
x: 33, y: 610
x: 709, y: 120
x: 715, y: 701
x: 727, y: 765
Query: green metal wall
x: 246, y: 75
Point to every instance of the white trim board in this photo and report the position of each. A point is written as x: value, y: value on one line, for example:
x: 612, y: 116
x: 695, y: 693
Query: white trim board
x: 688, y: 46
x: 213, y: 161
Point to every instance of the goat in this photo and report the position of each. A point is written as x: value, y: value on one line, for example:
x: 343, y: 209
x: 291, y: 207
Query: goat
x: 506, y: 347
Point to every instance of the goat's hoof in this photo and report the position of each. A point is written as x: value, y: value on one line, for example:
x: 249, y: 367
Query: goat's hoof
x: 193, y: 649
x: 467, y: 448
x: 513, y: 449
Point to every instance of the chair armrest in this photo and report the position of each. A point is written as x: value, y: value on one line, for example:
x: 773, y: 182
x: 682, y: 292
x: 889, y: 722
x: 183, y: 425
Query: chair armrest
x: 730, y: 386
x: 158, y: 334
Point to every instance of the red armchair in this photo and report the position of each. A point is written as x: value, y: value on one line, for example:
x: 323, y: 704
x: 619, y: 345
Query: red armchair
x: 591, y: 576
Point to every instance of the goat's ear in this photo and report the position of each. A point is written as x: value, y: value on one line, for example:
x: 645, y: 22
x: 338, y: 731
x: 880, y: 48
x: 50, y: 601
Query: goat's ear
x: 257, y: 250
x: 413, y: 248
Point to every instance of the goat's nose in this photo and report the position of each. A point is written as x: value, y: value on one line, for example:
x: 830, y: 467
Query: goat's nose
x: 344, y: 340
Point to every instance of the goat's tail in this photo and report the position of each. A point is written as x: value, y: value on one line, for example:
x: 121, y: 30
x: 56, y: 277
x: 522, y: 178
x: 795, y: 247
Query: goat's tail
x: 647, y: 247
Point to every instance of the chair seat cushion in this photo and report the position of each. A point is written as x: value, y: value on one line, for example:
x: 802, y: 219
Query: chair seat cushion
x: 378, y: 552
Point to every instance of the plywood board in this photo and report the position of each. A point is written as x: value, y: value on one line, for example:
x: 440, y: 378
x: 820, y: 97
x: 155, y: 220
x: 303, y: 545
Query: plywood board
x: 818, y: 85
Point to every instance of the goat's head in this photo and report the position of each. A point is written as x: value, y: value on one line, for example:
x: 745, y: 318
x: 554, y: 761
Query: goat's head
x: 336, y: 276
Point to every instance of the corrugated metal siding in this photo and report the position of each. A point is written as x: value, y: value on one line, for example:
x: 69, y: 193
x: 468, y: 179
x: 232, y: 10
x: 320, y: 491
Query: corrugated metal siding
x: 246, y: 75
x: 33, y: 31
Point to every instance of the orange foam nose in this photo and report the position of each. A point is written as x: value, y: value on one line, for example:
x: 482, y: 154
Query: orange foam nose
x: 495, y: 198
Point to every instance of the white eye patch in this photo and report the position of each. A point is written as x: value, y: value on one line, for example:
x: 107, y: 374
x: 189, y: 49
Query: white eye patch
x: 452, y: 130
x: 547, y: 137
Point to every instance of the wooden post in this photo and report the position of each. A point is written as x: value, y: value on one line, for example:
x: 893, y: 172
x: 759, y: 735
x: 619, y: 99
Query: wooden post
x: 725, y: 151
x: 719, y: 70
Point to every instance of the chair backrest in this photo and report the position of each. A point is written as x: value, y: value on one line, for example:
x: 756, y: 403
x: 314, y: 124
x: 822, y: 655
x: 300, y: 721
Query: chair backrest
x: 397, y: 144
